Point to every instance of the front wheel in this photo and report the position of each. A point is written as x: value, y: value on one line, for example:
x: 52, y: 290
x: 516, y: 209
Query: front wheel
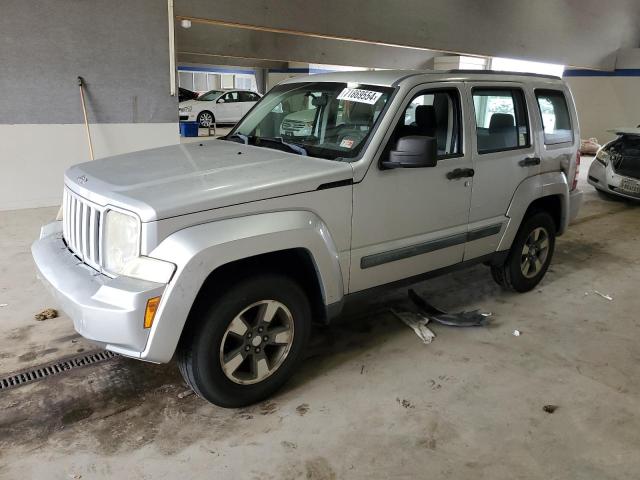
x: 530, y: 254
x: 206, y: 119
x: 247, y: 343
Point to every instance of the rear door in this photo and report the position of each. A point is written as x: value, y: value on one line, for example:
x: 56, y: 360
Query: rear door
x: 248, y: 100
x: 504, y: 154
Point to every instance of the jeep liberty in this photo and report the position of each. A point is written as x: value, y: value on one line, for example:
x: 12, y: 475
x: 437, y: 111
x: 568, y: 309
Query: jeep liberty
x: 222, y: 253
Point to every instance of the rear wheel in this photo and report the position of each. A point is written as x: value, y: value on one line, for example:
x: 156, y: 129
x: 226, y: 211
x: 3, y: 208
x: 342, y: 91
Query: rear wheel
x: 247, y: 343
x: 530, y: 254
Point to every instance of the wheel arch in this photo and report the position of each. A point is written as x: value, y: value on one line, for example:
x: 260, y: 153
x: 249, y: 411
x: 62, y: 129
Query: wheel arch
x: 546, y: 192
x: 296, y: 243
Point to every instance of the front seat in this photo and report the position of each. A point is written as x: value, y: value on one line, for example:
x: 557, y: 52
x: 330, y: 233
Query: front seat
x: 425, y: 123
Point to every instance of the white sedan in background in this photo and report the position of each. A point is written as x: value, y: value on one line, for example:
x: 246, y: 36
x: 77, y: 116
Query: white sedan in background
x: 616, y: 169
x: 218, y: 106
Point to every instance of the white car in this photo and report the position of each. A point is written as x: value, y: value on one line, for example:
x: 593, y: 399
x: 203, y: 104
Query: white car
x: 217, y: 106
x: 616, y: 170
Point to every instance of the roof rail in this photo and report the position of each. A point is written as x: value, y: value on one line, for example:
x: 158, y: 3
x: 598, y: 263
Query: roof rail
x: 499, y: 72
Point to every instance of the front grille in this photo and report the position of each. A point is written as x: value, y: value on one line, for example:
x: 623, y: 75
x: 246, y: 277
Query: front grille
x: 81, y: 228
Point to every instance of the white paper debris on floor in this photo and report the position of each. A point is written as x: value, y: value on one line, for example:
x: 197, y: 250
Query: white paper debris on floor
x: 605, y: 296
x: 4, y: 305
x: 516, y: 333
x: 418, y: 323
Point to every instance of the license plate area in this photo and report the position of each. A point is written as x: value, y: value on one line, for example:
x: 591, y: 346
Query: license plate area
x: 630, y: 186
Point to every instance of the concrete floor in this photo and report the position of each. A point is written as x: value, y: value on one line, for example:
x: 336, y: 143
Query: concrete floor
x: 371, y: 401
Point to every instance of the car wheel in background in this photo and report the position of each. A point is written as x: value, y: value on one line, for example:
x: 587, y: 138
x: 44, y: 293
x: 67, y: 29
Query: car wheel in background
x: 206, y: 119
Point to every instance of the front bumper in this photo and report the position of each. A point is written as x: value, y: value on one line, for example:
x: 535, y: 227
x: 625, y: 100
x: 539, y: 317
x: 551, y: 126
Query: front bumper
x: 108, y: 311
x: 188, y: 116
x: 605, y: 179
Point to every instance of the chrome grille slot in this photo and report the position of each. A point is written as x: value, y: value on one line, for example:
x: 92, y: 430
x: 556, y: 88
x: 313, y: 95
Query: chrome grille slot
x: 81, y: 228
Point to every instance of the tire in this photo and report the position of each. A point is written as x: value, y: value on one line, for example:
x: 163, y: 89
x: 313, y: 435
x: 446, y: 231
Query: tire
x: 525, y: 268
x: 215, y: 338
x: 206, y: 118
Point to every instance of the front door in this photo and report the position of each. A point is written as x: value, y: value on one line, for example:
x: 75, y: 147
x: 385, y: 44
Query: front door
x: 228, y: 108
x: 503, y: 156
x: 409, y: 221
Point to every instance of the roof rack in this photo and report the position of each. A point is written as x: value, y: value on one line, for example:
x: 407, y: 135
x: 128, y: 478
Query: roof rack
x: 499, y: 72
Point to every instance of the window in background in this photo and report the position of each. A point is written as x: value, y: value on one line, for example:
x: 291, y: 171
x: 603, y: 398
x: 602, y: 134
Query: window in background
x: 226, y: 81
x: 244, y: 82
x: 185, y: 80
x: 200, y: 82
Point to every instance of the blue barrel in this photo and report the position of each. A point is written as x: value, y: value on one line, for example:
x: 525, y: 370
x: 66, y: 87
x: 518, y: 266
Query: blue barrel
x: 189, y: 129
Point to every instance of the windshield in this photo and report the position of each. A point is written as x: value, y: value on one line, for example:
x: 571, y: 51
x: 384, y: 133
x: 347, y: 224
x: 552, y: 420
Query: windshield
x: 319, y: 119
x: 210, y: 95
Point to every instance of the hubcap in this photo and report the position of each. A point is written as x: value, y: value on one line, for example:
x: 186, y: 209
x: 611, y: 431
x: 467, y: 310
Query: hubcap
x: 256, y: 342
x: 534, y: 252
x: 206, y: 119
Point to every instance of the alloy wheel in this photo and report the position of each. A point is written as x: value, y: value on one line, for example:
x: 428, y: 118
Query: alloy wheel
x: 534, y: 252
x: 256, y: 342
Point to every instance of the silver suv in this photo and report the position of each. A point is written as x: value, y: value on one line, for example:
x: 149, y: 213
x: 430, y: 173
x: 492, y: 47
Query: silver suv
x: 223, y: 253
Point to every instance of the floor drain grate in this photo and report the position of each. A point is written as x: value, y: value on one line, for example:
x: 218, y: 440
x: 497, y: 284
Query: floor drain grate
x: 41, y: 372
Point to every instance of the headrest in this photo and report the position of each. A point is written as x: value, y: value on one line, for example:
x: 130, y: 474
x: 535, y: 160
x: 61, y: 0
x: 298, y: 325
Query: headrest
x: 426, y: 116
x: 500, y: 121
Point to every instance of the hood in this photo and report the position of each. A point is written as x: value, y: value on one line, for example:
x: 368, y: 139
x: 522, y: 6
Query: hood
x: 630, y: 131
x: 180, y: 179
x: 187, y: 103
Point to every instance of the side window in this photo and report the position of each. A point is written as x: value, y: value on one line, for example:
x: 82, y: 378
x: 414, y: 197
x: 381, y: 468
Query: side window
x: 556, y: 119
x: 231, y: 97
x: 434, y: 114
x: 501, y: 119
x: 248, y: 97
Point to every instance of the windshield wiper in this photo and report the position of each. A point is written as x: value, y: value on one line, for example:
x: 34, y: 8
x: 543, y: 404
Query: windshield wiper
x: 278, y: 141
x: 244, y: 138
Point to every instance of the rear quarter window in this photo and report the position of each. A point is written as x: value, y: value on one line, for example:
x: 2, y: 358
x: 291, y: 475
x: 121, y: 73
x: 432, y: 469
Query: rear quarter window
x: 556, y: 119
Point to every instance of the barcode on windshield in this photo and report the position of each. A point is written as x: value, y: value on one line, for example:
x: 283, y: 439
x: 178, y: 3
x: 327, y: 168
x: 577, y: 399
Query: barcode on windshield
x: 358, y: 95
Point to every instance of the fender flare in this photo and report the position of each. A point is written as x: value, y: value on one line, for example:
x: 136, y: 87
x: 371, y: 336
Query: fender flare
x: 530, y: 190
x: 199, y: 250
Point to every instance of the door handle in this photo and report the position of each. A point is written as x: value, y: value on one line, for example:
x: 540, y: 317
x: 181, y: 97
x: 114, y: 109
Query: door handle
x: 529, y: 162
x: 460, y: 173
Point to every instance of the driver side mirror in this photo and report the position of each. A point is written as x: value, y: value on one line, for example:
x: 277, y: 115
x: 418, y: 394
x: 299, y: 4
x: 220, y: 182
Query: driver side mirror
x: 221, y: 100
x: 414, y: 151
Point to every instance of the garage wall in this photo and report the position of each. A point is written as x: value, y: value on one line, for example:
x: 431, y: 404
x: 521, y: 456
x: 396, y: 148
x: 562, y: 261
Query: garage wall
x: 607, y: 100
x: 120, y: 48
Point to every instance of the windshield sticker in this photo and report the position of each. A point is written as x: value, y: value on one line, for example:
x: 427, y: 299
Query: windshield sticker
x: 346, y: 143
x: 360, y: 96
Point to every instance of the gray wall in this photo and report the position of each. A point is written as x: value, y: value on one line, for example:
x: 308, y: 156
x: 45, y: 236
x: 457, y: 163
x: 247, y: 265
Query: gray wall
x: 580, y: 33
x: 120, y: 47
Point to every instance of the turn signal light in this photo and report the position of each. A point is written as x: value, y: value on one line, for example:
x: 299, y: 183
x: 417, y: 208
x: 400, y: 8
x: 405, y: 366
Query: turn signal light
x: 150, y: 312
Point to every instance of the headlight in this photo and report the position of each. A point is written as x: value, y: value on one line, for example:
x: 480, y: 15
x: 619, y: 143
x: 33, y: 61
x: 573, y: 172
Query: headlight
x: 121, y: 240
x: 603, y: 157
x: 188, y: 108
